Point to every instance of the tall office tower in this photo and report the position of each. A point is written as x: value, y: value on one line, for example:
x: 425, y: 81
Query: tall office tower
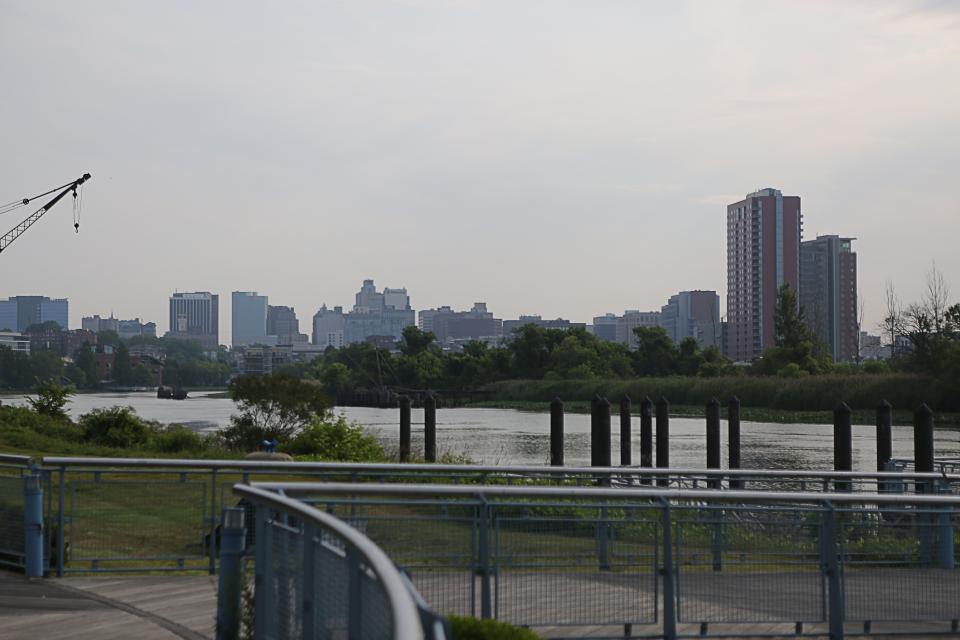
x: 693, y: 314
x: 283, y: 324
x: 763, y: 253
x: 328, y: 327
x: 19, y: 312
x: 196, y: 316
x: 828, y: 293
x: 248, y: 318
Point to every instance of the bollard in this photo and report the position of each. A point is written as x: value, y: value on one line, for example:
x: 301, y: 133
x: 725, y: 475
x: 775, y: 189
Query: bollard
x: 663, y: 437
x: 404, y: 428
x: 556, y: 432
x: 33, y: 524
x: 733, y: 439
x: 713, y: 440
x: 884, y: 438
x: 600, y: 453
x: 430, y: 429
x: 594, y: 428
x: 842, y: 444
x: 646, y: 435
x: 626, y: 444
x: 232, y: 537
x: 923, y: 440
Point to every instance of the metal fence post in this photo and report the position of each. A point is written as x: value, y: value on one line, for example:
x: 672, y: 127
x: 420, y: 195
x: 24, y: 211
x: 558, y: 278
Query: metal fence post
x: 713, y: 440
x: 33, y: 524
x: 263, y: 575
x: 61, y: 523
x: 231, y: 574
x: 842, y: 444
x: 213, y: 522
x: 669, y: 604
x: 831, y: 567
x: 483, y: 559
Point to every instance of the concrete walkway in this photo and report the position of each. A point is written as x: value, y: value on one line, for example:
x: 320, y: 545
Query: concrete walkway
x: 141, y: 607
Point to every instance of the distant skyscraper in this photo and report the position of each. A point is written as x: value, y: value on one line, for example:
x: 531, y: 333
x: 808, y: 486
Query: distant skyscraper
x: 19, y: 312
x: 282, y: 322
x: 693, y: 314
x: 828, y: 293
x: 196, y: 316
x: 763, y: 253
x: 248, y: 319
x: 328, y: 327
x: 382, y: 315
x: 450, y: 326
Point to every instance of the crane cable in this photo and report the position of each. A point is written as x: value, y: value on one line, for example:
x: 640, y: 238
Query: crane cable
x: 16, y: 204
x: 77, y: 207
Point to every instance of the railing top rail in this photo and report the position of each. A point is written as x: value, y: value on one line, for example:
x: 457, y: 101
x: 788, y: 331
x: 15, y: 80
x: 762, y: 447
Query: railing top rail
x: 406, y: 616
x: 301, y: 489
x: 9, y: 458
x: 350, y: 467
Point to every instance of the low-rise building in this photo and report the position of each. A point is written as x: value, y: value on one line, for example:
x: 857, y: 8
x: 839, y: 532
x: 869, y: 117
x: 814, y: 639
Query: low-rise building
x: 509, y: 326
x: 450, y: 326
x: 15, y: 341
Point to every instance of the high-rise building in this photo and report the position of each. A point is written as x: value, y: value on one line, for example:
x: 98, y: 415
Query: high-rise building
x: 763, y: 253
x: 605, y: 327
x: 328, y: 327
x: 126, y: 329
x: 196, y: 316
x: 828, y: 293
x: 248, y: 319
x: 378, y: 315
x: 630, y: 320
x: 452, y: 326
x: 283, y: 324
x: 693, y: 314
x: 19, y: 312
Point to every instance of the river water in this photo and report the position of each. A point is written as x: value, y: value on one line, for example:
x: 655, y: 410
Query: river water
x: 507, y: 436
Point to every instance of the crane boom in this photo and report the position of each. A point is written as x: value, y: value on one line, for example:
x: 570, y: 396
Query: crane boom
x: 18, y: 230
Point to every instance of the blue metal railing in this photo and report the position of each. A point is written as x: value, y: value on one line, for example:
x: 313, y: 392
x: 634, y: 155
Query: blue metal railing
x: 319, y: 577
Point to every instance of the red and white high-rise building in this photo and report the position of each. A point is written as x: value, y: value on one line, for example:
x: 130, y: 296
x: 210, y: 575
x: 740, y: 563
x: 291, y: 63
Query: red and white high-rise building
x: 763, y: 253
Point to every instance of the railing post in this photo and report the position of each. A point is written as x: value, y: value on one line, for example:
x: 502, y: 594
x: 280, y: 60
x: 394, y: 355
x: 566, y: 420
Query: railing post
x: 33, y: 524
x: 945, y: 556
x: 626, y: 435
x: 483, y: 559
x: 404, y: 428
x: 213, y: 522
x: 231, y: 574
x: 263, y: 575
x: 61, y: 523
x: 667, y: 573
x: 430, y: 428
x: 842, y: 444
x: 733, y: 439
x: 663, y: 438
x: 713, y: 440
x: 556, y: 432
x: 646, y: 435
x: 309, y: 581
x: 831, y: 567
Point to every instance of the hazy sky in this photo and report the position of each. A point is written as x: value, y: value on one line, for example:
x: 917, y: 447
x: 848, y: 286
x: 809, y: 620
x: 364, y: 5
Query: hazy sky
x: 561, y: 158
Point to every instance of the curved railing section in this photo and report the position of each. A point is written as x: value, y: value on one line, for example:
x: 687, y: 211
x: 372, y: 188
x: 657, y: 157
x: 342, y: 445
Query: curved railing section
x: 319, y: 577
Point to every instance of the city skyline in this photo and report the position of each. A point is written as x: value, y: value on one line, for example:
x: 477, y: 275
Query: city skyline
x: 540, y: 172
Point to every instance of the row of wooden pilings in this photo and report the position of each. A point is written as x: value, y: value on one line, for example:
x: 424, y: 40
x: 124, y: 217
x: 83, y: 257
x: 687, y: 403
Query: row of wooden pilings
x: 658, y: 415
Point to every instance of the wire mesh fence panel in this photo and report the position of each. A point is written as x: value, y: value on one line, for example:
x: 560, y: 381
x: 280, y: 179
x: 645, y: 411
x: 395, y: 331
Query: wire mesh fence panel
x: 749, y: 565
x: 437, y: 552
x: 331, y: 597
x: 286, y: 558
x: 120, y: 523
x: 898, y: 564
x: 11, y: 519
x: 376, y: 622
x: 563, y: 565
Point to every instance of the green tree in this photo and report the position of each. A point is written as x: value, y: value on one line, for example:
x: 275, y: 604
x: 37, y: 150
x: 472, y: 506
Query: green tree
x: 122, y: 368
x: 273, y: 407
x: 656, y: 355
x: 789, y: 326
x: 108, y: 338
x: 51, y: 399
x: 416, y: 341
x: 86, y: 361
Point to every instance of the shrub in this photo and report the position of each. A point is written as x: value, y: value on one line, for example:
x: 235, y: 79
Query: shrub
x: 336, y: 440
x: 176, y: 439
x: 51, y: 398
x: 114, y: 427
x: 465, y: 628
